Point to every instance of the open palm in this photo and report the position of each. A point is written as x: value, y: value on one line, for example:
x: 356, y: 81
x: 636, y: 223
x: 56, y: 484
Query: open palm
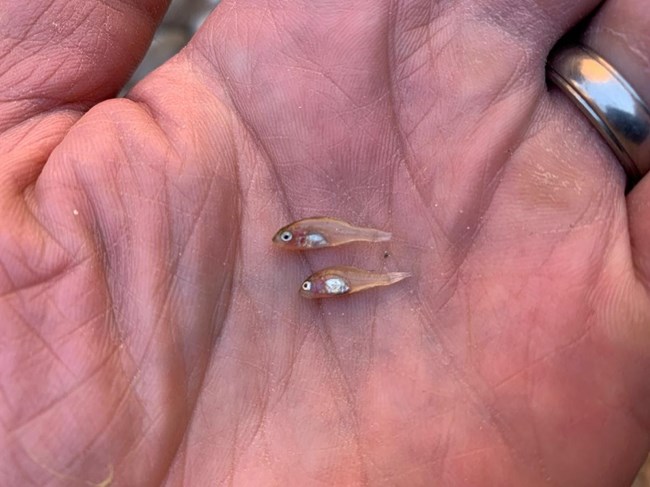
x: 149, y: 331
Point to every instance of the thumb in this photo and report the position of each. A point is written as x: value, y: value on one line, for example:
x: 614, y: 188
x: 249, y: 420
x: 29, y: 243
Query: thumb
x: 69, y: 53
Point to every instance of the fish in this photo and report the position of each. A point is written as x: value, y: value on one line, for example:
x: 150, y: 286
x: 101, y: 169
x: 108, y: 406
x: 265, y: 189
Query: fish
x: 322, y: 232
x: 343, y: 280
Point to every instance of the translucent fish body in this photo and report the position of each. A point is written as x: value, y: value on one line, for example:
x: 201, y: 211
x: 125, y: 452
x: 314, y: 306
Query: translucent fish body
x: 342, y: 280
x: 321, y: 232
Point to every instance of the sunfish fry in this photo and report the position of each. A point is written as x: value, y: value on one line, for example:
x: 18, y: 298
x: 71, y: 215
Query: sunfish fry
x: 322, y: 232
x: 343, y: 280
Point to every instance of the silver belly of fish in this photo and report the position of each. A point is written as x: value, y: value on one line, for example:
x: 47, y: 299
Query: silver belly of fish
x: 336, y: 285
x: 316, y: 240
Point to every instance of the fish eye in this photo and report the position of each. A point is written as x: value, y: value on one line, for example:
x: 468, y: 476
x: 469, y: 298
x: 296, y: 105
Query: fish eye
x: 286, y: 236
x: 306, y: 286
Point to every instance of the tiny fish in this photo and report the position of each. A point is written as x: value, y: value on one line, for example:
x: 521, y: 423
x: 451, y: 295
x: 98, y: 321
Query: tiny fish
x: 320, y: 232
x: 341, y: 280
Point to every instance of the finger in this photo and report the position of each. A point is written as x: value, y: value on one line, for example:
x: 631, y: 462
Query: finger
x: 61, y: 53
x: 638, y: 207
x: 620, y: 33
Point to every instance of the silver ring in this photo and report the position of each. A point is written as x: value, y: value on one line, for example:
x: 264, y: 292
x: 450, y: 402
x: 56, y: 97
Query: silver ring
x: 609, y: 102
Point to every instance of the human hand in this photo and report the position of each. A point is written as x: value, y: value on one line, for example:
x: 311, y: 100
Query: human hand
x: 150, y: 332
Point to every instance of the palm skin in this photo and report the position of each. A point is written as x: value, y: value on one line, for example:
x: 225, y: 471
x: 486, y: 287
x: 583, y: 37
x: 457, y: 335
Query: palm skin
x: 150, y: 331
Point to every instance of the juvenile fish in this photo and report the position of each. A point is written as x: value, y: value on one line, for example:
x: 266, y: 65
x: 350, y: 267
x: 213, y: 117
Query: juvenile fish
x: 320, y: 232
x: 341, y: 280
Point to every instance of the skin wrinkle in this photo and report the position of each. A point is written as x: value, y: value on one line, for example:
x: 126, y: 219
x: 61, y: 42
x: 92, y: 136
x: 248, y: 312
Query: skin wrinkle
x: 42, y: 341
x: 476, y: 395
x: 570, y: 231
x: 285, y: 379
x: 73, y: 108
x: 37, y: 22
x: 192, y: 403
x: 20, y: 134
x: 230, y: 474
x: 25, y: 423
x: 443, y: 454
x: 240, y: 444
x: 532, y: 364
x: 5, y: 398
x: 15, y: 288
x: 394, y: 105
x: 404, y: 138
x: 426, y: 42
x: 111, y: 316
x: 365, y: 459
x: 124, y: 235
x: 346, y: 390
x: 266, y: 455
x: 81, y: 327
x: 538, y: 450
x: 264, y: 407
x: 429, y: 331
x: 221, y: 307
x: 56, y: 476
x: 522, y: 78
x: 141, y: 440
x: 254, y: 137
x: 528, y: 370
x: 92, y: 373
x: 260, y: 420
x: 484, y: 202
x: 81, y: 455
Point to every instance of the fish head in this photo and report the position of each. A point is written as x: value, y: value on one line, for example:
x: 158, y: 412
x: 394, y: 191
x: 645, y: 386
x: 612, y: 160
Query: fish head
x: 308, y: 289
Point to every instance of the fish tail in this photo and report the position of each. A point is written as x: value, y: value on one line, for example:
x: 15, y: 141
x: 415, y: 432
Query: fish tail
x: 393, y: 277
x: 378, y: 235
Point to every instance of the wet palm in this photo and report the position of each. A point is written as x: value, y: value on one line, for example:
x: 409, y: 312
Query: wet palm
x: 151, y: 331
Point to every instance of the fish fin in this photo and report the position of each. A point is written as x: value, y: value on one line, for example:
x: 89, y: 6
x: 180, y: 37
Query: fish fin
x: 394, y: 277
